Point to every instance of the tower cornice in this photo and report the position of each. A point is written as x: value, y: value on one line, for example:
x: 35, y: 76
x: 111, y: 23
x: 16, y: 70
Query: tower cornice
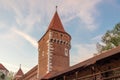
x: 54, y: 30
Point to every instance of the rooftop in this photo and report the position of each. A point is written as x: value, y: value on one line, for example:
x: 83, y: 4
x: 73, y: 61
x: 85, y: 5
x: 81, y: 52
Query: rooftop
x: 56, y: 23
x: 87, y: 62
x: 2, y: 67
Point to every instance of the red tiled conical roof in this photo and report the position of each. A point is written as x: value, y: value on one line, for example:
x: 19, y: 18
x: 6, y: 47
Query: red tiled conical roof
x: 19, y: 73
x: 2, y: 67
x: 56, y: 23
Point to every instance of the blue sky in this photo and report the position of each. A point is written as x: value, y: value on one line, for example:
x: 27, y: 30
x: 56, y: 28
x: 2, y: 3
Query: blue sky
x: 23, y: 22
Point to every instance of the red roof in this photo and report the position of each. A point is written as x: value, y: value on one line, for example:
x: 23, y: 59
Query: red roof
x: 56, y: 23
x: 19, y: 73
x: 48, y: 75
x: 88, y: 62
x: 31, y: 71
x: 2, y: 67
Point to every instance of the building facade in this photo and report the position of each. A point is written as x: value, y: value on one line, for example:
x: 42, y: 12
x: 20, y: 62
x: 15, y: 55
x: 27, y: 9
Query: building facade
x: 105, y: 66
x: 53, y: 59
x: 18, y: 75
x: 3, y: 72
x: 53, y: 48
x: 53, y: 51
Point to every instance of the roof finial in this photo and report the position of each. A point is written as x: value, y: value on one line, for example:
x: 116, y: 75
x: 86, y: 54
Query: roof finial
x: 20, y: 65
x: 56, y: 8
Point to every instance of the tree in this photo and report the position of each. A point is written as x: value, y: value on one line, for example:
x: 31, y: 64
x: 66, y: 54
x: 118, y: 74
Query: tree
x: 111, y: 38
x: 10, y: 76
x: 2, y: 76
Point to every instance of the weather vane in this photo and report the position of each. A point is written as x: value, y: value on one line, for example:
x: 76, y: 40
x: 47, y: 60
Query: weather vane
x: 20, y: 65
x: 56, y: 8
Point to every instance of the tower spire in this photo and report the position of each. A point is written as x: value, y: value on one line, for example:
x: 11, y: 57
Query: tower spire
x: 19, y: 74
x: 53, y: 48
x: 56, y: 8
x: 56, y: 23
x: 20, y: 66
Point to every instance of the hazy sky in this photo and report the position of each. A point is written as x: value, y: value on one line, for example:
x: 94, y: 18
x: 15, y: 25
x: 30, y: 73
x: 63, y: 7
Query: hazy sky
x: 23, y: 23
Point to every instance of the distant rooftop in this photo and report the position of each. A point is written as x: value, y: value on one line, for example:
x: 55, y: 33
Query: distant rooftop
x: 2, y: 67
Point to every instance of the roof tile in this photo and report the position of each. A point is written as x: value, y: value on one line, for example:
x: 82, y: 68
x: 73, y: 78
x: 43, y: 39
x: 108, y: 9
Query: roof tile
x: 56, y: 23
x: 2, y: 67
x: 20, y: 72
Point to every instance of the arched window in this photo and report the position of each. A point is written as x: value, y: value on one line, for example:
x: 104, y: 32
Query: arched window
x: 55, y: 40
x: 51, y: 40
x: 66, y: 52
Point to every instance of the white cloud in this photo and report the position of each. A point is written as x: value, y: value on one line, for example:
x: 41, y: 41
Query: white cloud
x: 13, y: 67
x: 5, y: 32
x: 2, y: 25
x: 83, y: 52
x: 86, y: 10
x: 26, y: 12
x: 26, y: 37
x: 11, y: 5
x: 97, y: 38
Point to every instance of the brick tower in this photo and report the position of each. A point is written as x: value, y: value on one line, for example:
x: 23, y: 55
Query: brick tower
x: 53, y: 48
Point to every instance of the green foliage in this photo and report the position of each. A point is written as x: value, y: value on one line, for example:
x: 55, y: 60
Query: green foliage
x: 111, y: 38
x: 10, y: 76
x: 2, y: 76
